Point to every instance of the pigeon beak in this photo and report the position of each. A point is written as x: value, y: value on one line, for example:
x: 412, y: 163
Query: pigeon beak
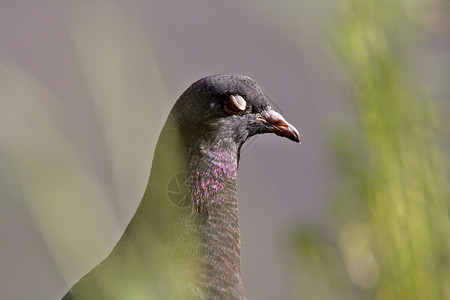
x: 278, y: 125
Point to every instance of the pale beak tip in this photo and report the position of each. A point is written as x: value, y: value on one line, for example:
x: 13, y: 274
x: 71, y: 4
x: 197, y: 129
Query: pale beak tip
x: 280, y: 126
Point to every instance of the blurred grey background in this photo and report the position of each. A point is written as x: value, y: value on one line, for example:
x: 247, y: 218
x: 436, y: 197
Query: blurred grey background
x: 85, y: 87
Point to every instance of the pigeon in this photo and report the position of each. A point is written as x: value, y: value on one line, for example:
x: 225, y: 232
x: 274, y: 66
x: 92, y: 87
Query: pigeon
x: 183, y: 241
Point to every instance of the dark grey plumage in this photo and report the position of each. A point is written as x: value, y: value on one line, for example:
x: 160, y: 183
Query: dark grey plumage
x: 183, y: 241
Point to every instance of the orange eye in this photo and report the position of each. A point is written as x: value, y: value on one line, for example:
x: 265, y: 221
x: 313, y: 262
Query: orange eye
x: 235, y: 104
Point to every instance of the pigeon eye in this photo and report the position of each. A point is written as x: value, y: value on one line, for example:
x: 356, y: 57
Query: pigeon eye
x: 235, y: 104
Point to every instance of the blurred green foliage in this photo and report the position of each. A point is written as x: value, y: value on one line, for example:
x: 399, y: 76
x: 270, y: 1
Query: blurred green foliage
x: 391, y: 225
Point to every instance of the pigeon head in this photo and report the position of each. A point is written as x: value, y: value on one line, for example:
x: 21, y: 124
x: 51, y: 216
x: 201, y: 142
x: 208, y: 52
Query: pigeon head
x: 228, y: 109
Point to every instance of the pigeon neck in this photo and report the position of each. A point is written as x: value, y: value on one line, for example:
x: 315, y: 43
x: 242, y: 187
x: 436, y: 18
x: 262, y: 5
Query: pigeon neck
x: 199, y: 178
x: 213, y: 176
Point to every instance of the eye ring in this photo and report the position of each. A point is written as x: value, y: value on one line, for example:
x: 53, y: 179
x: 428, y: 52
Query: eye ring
x: 235, y: 104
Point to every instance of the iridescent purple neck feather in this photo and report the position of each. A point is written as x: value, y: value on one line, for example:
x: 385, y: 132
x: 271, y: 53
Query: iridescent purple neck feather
x: 213, y: 177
